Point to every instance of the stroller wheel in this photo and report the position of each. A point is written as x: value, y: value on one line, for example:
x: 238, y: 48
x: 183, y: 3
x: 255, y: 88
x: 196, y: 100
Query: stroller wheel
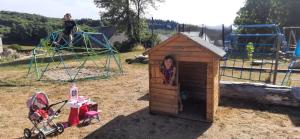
x: 41, y: 135
x: 60, y: 128
x: 27, y: 133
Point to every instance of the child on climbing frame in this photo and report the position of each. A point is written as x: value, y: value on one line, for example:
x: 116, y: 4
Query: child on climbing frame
x: 69, y: 27
x: 168, y: 69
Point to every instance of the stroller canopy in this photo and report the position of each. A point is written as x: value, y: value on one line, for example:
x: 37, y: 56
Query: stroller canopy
x: 38, y: 101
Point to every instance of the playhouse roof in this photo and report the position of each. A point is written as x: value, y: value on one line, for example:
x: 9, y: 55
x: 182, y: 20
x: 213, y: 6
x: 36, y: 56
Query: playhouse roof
x: 195, y: 38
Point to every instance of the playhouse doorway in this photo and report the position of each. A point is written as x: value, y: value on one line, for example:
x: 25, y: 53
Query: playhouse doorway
x: 192, y: 77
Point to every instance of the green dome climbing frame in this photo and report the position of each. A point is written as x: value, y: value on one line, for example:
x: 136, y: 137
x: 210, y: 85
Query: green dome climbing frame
x: 84, y: 47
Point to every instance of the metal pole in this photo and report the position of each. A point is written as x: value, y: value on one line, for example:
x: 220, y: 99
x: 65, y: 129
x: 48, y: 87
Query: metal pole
x: 80, y: 67
x: 31, y: 61
x: 276, y: 60
x: 223, y: 36
x: 152, y: 27
x: 205, y: 32
x: 36, y: 68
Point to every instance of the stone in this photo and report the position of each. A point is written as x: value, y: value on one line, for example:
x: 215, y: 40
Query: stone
x: 296, y: 92
x: 8, y: 52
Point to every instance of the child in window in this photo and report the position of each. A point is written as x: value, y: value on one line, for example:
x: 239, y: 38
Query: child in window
x: 168, y: 69
x: 69, y: 26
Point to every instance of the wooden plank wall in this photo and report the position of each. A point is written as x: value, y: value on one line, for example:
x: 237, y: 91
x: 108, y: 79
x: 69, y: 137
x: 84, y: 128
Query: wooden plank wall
x: 212, y: 89
x: 216, y: 84
x: 163, y: 98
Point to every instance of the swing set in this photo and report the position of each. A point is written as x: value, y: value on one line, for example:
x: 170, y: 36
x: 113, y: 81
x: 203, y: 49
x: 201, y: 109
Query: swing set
x: 86, y: 46
x: 253, y: 53
x: 293, y: 53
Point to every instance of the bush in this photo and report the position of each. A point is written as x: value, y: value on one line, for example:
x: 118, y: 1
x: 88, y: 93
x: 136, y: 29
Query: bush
x: 15, y: 47
x: 149, y: 39
x: 138, y: 48
x: 125, y: 46
x: 128, y: 45
x: 117, y: 45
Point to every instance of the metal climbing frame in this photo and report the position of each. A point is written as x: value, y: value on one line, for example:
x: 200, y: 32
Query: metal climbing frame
x: 292, y: 36
x: 260, y: 65
x: 89, y: 44
x: 293, y: 66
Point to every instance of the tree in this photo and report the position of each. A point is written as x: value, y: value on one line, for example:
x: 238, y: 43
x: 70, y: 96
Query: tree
x: 254, y: 12
x: 286, y: 12
x: 140, y: 6
x: 125, y: 14
x: 282, y: 12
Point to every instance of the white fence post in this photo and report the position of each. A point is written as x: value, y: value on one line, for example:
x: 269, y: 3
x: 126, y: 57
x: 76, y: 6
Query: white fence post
x: 1, y: 46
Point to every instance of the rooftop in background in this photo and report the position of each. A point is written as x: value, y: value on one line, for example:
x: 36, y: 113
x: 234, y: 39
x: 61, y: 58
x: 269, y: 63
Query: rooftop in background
x: 205, y: 44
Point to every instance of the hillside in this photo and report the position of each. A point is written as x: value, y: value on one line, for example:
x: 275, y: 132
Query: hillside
x: 167, y: 25
x: 28, y: 29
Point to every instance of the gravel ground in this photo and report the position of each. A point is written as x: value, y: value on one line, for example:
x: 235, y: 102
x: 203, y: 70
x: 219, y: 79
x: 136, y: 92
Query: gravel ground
x: 125, y: 114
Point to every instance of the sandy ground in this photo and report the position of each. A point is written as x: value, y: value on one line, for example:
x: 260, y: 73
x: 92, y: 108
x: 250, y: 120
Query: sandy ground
x: 125, y: 115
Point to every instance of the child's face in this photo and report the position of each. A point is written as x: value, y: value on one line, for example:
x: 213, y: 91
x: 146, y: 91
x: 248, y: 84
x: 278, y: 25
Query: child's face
x: 67, y: 17
x: 168, y: 63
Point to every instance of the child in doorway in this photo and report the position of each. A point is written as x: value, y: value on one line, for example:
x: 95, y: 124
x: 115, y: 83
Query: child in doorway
x: 69, y: 26
x: 168, y: 69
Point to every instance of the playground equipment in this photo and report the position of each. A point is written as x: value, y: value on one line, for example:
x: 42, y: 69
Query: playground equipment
x: 253, y: 49
x: 291, y: 33
x: 215, y: 34
x: 86, y: 46
x: 293, y: 66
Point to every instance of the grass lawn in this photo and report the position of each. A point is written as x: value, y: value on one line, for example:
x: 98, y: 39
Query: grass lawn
x: 123, y: 100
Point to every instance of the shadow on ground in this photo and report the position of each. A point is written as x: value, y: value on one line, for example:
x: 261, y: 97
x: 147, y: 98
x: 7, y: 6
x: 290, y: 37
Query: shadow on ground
x: 145, y: 97
x: 292, y: 112
x: 141, y: 124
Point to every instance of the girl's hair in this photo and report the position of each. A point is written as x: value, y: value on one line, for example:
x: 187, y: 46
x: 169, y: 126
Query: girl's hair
x: 68, y: 14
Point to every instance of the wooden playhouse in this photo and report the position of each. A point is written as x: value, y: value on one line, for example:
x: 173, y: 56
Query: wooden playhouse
x: 197, y: 74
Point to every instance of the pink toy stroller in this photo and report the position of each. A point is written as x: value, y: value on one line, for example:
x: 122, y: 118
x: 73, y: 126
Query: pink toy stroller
x: 41, y: 114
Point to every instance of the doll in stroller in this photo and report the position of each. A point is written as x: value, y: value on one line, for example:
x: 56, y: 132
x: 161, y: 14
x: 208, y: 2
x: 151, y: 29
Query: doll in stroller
x: 42, y: 116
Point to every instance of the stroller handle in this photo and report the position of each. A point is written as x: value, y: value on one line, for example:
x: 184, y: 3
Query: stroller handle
x: 58, y: 110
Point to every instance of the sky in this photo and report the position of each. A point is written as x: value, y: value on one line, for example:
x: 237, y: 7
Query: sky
x: 197, y: 12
